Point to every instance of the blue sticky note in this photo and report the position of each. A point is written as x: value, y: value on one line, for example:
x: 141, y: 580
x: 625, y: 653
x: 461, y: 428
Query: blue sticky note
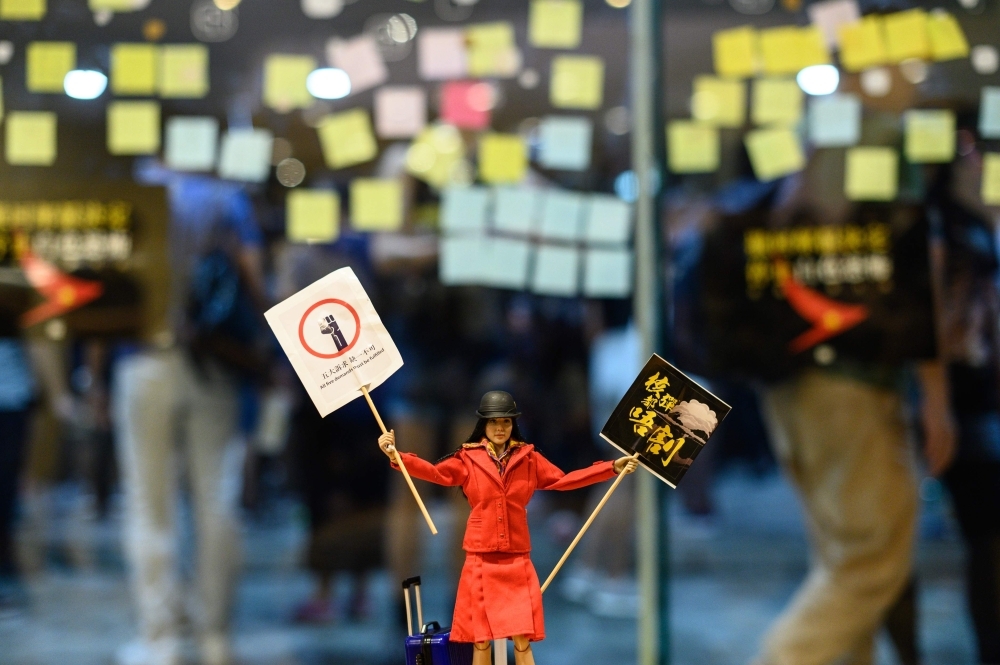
x: 517, y: 209
x: 565, y: 143
x: 608, y: 220
x: 835, y: 120
x: 989, y: 113
x: 464, y: 209
x: 557, y: 271
x: 561, y: 215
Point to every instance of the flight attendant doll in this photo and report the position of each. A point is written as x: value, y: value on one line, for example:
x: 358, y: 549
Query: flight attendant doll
x: 498, y: 592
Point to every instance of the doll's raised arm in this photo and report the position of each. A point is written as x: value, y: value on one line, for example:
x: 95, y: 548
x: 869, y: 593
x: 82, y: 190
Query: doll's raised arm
x: 449, y: 472
x: 551, y: 477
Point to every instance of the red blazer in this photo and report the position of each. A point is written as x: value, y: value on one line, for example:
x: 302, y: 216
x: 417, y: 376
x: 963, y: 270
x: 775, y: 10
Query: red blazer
x: 499, y: 519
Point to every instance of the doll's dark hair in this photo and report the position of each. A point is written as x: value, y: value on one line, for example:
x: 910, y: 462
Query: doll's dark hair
x: 479, y: 433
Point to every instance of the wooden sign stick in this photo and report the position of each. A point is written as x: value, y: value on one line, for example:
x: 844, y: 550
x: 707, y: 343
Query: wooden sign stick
x: 583, y: 530
x: 402, y: 467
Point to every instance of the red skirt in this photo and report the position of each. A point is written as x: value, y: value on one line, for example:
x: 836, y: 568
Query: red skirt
x: 498, y: 596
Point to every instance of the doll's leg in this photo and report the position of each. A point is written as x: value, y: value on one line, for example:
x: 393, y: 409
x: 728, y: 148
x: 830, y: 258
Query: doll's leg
x: 481, y: 652
x: 522, y: 651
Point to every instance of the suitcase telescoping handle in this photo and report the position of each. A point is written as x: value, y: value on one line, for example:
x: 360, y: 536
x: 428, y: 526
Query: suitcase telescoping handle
x: 415, y: 583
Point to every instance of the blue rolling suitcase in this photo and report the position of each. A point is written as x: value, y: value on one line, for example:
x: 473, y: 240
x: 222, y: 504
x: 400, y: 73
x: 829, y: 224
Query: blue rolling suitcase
x: 430, y: 645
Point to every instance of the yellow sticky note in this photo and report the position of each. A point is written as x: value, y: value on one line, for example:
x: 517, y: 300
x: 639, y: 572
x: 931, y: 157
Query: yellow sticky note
x: 347, y: 139
x: 133, y: 69
x: 22, y: 10
x: 906, y: 35
x: 788, y: 49
x: 775, y: 102
x: 491, y: 49
x: 930, y: 136
x: 48, y: 64
x: 376, y: 204
x: 719, y: 102
x: 285, y: 81
x: 991, y: 179
x: 312, y: 215
x: 692, y: 147
x: 577, y: 82
x: 774, y: 153
x: 113, y: 5
x: 555, y: 23
x: 862, y: 44
x: 184, y: 71
x: 503, y: 158
x: 948, y: 42
x: 1, y: 99
x: 735, y: 52
x: 871, y: 174
x: 133, y: 128
x: 31, y: 138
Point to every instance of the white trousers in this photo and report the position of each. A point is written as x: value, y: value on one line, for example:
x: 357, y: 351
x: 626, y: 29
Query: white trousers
x: 167, y: 412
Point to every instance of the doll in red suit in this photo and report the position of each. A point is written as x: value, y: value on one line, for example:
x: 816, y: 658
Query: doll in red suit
x: 498, y: 592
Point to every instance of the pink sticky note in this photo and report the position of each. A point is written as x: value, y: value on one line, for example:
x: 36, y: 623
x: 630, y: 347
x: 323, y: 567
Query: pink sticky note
x: 400, y: 111
x: 441, y: 54
x: 467, y: 104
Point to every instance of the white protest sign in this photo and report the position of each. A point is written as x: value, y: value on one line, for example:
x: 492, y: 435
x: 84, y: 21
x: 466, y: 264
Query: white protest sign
x: 334, y: 339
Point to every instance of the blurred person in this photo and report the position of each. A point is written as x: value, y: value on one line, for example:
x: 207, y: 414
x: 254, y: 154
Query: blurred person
x: 185, y: 389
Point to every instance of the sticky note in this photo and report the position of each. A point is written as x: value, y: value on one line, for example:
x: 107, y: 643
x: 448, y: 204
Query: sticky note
x: 607, y: 220
x: 503, y: 158
x: 517, y: 209
x: 400, y: 111
x: 577, y: 82
x: 906, y: 35
x: 692, y: 147
x: 834, y: 120
x: 133, y: 128
x: 466, y: 104
x: 376, y: 204
x: 555, y: 23
x: 47, y: 65
x: 719, y: 102
x: 285, y: 81
x: 491, y: 50
x: 246, y: 155
x: 1, y: 99
x: 564, y: 142
x: 991, y: 179
x: 930, y: 136
x: 346, y: 138
x: 562, y: 215
x: 134, y: 69
x: 437, y: 156
x: 829, y: 15
x: 607, y: 273
x: 862, y: 44
x: 989, y: 112
x: 787, y: 49
x: 184, y: 71
x: 441, y: 54
x: 774, y: 153
x: 947, y: 40
x: 463, y: 209
x: 22, y: 10
x: 30, y: 138
x: 312, y: 215
x: 735, y: 52
x: 871, y: 174
x: 775, y: 101
x: 116, y: 5
x: 463, y: 260
x: 361, y: 59
x: 556, y: 271
x: 505, y: 263
x: 191, y: 143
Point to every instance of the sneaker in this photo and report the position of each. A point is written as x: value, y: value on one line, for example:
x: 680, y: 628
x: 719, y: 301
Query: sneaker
x: 164, y: 651
x: 215, y: 649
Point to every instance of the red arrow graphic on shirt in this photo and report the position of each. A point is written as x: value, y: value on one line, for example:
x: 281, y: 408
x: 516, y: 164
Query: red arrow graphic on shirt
x: 63, y: 293
x: 828, y: 317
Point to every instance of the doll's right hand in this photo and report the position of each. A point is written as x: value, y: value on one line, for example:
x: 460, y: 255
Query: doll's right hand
x: 387, y: 442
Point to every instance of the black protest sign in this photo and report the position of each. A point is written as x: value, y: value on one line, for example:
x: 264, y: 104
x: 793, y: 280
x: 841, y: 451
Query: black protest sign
x: 665, y: 417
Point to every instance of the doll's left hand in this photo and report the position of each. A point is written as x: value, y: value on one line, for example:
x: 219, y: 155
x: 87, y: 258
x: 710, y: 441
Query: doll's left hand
x: 626, y: 465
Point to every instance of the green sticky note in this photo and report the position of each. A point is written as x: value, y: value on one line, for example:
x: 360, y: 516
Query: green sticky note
x: 312, y: 215
x: 735, y: 52
x: 555, y: 23
x: 30, y: 138
x: 577, y: 82
x: 692, y: 147
x: 871, y: 174
x: 134, y: 68
x: 503, y: 158
x: 133, y: 128
x: 776, y: 102
x: 376, y: 204
x: 719, y: 102
x: 22, y: 10
x: 347, y: 139
x: 774, y: 153
x: 47, y: 65
x: 930, y: 136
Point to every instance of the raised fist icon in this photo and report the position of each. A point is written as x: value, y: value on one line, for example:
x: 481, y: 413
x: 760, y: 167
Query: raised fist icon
x: 328, y: 326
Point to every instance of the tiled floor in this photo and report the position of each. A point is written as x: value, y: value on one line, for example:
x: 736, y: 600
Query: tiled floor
x: 728, y: 583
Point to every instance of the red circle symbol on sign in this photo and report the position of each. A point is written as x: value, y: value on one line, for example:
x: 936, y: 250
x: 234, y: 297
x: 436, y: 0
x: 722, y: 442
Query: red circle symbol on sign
x: 354, y: 340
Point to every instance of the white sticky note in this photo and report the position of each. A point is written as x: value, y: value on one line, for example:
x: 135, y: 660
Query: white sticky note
x: 829, y: 15
x: 557, y: 271
x: 400, y: 111
x: 464, y: 209
x: 607, y: 273
x: 608, y: 220
x: 463, y: 260
x: 835, y: 120
x: 441, y: 54
x: 565, y: 142
x: 246, y: 155
x: 517, y: 209
x: 192, y: 143
x: 989, y: 113
x: 361, y: 59
x: 506, y: 263
x: 562, y: 214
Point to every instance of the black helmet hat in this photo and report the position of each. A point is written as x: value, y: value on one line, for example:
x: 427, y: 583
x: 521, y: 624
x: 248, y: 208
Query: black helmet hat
x: 497, y: 404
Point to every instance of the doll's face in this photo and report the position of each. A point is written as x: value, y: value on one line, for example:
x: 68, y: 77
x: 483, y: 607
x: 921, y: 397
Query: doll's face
x: 498, y: 430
